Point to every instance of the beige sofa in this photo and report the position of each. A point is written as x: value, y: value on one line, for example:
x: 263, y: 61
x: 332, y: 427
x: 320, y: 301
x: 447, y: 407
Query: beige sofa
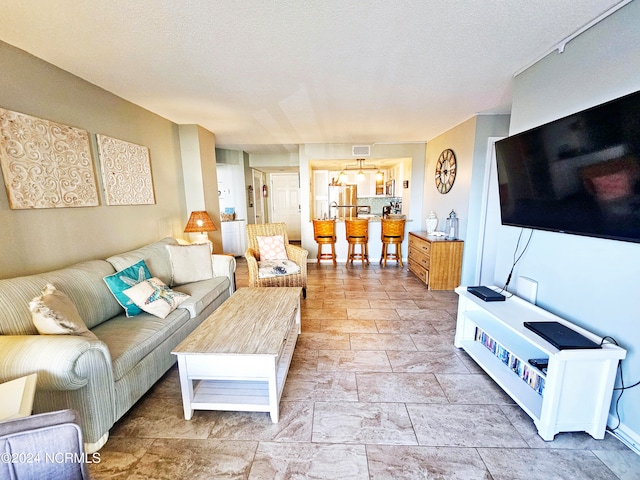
x: 101, y: 379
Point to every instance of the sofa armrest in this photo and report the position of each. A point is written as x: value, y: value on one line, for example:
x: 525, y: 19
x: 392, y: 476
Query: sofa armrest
x: 54, y: 357
x: 225, y: 266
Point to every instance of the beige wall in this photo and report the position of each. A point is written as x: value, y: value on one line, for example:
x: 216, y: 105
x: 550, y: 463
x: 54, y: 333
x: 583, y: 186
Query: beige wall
x: 43, y: 239
x: 469, y: 141
x: 461, y: 139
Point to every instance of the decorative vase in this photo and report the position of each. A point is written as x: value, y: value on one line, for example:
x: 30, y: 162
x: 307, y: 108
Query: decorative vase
x: 432, y: 223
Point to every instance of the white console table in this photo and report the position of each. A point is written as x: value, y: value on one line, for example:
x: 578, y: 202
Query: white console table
x: 578, y: 385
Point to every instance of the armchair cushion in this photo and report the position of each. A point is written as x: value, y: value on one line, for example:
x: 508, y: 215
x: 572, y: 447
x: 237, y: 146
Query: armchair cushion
x: 274, y: 268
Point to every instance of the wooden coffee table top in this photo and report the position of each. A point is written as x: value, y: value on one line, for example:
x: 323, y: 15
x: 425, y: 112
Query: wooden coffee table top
x: 248, y: 323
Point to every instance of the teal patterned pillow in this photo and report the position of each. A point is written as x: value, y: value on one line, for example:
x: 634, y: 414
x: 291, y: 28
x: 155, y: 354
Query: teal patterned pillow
x: 124, y: 279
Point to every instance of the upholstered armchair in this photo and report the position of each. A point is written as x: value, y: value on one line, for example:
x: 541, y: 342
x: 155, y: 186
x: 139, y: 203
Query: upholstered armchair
x: 46, y: 446
x: 294, y: 253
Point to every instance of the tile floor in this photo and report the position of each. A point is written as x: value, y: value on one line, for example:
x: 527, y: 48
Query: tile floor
x: 376, y: 390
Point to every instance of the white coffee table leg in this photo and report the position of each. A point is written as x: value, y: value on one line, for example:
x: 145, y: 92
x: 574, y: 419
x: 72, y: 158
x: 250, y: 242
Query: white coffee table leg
x: 186, y: 387
x: 274, y: 401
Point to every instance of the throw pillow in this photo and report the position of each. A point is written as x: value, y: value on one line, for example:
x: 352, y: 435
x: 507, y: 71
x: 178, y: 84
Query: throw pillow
x: 272, y: 248
x: 190, y: 263
x: 154, y: 297
x: 124, y: 279
x: 53, y: 313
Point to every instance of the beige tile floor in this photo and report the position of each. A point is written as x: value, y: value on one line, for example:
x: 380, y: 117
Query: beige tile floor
x: 376, y: 390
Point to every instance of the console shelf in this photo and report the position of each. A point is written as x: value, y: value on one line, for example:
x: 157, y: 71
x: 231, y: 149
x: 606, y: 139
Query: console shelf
x: 578, y: 385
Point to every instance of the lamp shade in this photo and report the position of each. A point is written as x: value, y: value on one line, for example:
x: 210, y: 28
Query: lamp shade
x: 200, y: 222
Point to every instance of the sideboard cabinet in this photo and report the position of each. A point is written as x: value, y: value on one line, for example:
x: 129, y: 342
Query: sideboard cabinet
x: 435, y: 261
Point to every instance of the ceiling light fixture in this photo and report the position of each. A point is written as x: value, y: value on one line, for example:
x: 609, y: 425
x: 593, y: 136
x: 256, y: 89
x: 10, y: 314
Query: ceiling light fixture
x: 360, y: 166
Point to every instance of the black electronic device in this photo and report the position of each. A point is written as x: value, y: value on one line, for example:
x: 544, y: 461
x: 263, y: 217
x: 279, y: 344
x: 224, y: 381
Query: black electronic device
x: 561, y: 336
x: 540, y: 363
x: 486, y: 294
x: 579, y: 174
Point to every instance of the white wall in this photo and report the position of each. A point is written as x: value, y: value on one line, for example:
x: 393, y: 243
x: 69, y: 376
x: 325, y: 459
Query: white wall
x: 592, y: 282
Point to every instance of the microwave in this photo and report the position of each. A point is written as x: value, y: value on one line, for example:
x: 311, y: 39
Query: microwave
x: 390, y: 188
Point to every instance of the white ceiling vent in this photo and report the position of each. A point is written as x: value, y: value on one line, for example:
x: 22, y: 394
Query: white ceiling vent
x: 361, y: 150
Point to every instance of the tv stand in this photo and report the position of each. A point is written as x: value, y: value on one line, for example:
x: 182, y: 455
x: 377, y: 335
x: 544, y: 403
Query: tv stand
x: 575, y: 392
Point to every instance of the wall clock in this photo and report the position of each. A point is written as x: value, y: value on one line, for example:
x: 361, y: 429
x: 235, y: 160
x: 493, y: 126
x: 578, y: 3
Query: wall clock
x: 446, y: 171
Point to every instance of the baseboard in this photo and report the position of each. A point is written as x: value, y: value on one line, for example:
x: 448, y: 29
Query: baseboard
x: 627, y: 436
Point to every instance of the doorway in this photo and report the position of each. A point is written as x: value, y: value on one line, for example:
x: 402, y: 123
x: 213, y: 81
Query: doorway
x: 285, y: 202
x: 259, y: 200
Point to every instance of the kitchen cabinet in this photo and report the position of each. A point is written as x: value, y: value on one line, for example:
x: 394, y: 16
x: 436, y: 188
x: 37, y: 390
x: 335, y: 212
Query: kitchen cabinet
x: 234, y: 237
x: 435, y: 261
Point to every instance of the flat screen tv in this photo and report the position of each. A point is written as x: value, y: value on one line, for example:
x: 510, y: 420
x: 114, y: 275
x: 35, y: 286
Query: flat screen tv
x: 579, y: 174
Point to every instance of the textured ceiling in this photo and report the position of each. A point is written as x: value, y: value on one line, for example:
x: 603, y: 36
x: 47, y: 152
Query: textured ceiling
x: 267, y: 75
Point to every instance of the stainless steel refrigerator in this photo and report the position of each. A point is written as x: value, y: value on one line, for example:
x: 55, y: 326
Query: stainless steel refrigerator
x: 342, y: 201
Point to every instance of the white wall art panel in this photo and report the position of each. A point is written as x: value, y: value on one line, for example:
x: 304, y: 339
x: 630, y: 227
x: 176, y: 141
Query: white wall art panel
x: 126, y: 172
x: 45, y: 164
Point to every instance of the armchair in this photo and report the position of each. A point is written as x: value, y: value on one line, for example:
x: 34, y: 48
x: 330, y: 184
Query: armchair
x: 44, y: 446
x: 294, y: 253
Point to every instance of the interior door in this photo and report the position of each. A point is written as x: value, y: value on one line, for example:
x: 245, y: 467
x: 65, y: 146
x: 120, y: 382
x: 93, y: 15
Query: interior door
x: 285, y: 202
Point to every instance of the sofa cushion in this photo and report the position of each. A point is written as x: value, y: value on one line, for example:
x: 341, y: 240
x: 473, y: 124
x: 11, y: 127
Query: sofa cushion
x: 54, y: 313
x: 155, y: 256
x: 154, y: 297
x: 190, y: 263
x: 81, y: 282
x: 202, y: 294
x: 124, y: 279
x: 131, y: 339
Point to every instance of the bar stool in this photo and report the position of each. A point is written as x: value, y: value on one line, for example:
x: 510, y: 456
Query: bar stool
x: 392, y: 233
x: 324, y: 233
x: 357, y: 230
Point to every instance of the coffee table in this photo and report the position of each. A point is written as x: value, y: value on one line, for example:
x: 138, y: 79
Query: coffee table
x: 238, y: 358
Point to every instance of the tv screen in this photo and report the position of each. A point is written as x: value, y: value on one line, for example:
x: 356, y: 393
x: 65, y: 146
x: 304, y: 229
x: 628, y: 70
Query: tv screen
x: 579, y: 174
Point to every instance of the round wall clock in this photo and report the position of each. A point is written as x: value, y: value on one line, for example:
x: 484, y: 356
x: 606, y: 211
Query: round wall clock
x: 446, y: 171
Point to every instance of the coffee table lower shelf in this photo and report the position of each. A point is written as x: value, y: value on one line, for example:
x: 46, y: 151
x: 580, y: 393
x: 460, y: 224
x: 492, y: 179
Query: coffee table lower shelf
x: 231, y: 395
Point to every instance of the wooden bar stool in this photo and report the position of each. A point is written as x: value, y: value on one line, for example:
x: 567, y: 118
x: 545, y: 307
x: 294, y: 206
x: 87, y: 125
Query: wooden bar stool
x: 324, y: 233
x: 357, y: 230
x: 392, y: 233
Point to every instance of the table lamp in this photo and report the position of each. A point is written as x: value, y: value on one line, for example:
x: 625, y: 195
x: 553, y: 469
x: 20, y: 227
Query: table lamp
x: 200, y: 222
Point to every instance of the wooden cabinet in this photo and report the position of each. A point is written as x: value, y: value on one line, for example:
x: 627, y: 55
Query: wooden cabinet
x: 435, y: 261
x: 572, y: 394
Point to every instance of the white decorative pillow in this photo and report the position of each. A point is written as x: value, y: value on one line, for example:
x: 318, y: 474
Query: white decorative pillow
x: 154, y: 297
x: 190, y: 263
x: 53, y: 313
x: 272, y: 248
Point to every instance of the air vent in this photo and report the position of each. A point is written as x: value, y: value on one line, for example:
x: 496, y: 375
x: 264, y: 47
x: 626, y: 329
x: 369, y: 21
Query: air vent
x: 361, y: 150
